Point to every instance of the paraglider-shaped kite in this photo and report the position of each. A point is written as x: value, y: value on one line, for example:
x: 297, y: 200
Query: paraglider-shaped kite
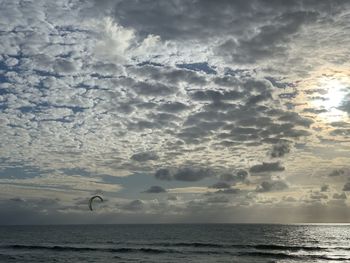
x: 92, y: 199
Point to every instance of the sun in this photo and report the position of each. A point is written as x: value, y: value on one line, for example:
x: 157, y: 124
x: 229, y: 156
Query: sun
x: 334, y: 92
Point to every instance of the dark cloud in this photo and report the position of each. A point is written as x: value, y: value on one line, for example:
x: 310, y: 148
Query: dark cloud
x: 154, y: 89
x: 172, y: 198
x: 17, y: 199
x: 19, y: 210
x: 270, y: 40
x: 203, y: 67
x: 191, y: 174
x: 315, y: 111
x: 64, y: 66
x: 141, y: 125
x: 340, y: 132
x: 245, y: 122
x: 228, y: 191
x: 218, y: 199
x: 186, y: 174
x: 170, y: 75
x: 264, y: 96
x: 269, y: 186
x: 337, y: 172
x: 179, y: 19
x: 324, y: 188
x: 289, y: 199
x: 173, y: 107
x: 279, y: 83
x: 201, y: 19
x: 214, y: 95
x: 155, y: 190
x: 341, y: 124
x: 318, y: 196
x: 267, y: 167
x: 238, y: 176
x: 295, y: 118
x: 346, y: 186
x: 279, y: 150
x: 345, y: 105
x: 339, y: 196
x: 135, y: 205
x: 220, y: 185
x: 163, y: 174
x: 144, y: 156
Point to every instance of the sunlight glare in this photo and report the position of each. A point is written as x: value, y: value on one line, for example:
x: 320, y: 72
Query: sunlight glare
x: 336, y: 92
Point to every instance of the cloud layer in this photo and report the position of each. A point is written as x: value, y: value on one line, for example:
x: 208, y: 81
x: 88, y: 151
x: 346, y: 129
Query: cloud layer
x: 170, y: 107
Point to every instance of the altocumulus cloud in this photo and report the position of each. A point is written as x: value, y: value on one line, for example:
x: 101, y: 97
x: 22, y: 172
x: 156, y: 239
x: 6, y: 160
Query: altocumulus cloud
x: 267, y: 167
x: 187, y: 174
x: 112, y: 96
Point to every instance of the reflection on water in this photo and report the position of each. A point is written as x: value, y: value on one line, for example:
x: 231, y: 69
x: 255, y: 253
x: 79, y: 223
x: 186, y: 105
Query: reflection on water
x: 172, y: 243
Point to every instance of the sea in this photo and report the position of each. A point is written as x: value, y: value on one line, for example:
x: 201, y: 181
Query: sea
x: 175, y: 243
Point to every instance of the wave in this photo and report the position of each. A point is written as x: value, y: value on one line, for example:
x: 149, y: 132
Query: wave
x: 257, y: 247
x: 194, y: 244
x: 290, y: 248
x: 291, y: 256
x: 82, y: 249
x: 274, y: 251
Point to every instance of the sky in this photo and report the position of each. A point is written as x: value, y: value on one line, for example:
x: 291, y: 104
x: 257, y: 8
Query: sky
x: 196, y: 111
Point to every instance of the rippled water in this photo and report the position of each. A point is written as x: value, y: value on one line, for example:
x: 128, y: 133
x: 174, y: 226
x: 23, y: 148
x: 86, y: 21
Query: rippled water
x: 175, y: 243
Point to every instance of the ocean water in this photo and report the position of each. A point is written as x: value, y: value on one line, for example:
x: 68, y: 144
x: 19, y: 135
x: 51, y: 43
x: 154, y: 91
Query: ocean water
x: 175, y: 243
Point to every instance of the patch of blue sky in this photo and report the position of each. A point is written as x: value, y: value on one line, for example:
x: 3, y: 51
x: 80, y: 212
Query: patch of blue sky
x: 135, y: 184
x: 77, y: 171
x: 20, y: 172
x: 202, y: 66
x: 149, y: 63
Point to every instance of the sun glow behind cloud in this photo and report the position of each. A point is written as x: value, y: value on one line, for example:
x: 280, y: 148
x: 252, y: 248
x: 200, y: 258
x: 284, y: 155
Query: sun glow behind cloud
x: 336, y: 93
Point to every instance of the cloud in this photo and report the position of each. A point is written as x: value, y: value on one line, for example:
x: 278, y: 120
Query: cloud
x: 270, y: 186
x: 218, y: 199
x: 163, y: 174
x: 154, y: 89
x: 119, y: 43
x: 204, y: 67
x: 238, y: 176
x: 135, y: 205
x: 228, y: 191
x: 345, y: 106
x: 172, y: 198
x: 220, y: 185
x: 269, y: 41
x: 173, y: 107
x: 318, y: 196
x: 155, y: 190
x: 346, y: 186
x: 279, y: 150
x: 216, y: 96
x: 144, y: 157
x: 337, y: 172
x: 186, y: 174
x: 324, y: 188
x: 94, y: 93
x: 267, y: 167
x: 191, y: 174
x: 289, y: 199
x: 339, y: 196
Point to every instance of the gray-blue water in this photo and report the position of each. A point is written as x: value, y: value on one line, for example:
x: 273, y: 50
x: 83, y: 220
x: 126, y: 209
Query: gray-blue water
x: 175, y: 243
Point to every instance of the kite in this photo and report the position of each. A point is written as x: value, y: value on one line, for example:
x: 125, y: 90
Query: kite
x: 92, y: 199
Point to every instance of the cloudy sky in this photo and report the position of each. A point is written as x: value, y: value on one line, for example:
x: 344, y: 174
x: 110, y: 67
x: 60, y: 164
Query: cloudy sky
x: 174, y: 111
